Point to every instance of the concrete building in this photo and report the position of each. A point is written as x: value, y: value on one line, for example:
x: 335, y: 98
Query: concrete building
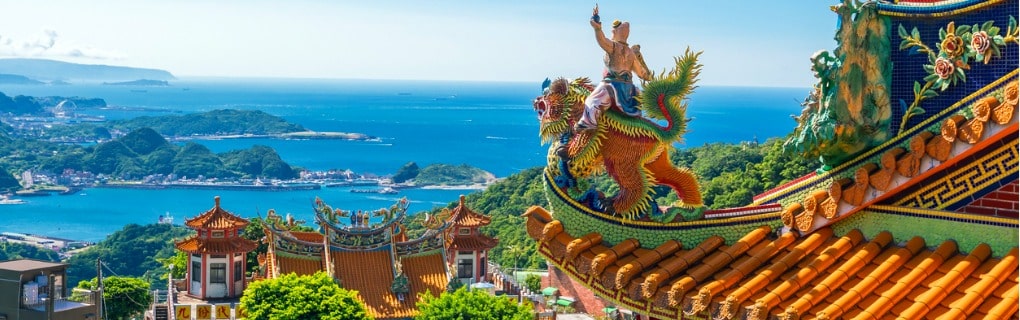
x: 31, y: 290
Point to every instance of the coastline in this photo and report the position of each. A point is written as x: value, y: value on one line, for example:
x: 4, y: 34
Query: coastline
x: 301, y: 135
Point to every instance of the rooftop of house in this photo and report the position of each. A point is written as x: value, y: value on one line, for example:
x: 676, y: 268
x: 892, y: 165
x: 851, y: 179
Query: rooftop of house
x: 29, y: 265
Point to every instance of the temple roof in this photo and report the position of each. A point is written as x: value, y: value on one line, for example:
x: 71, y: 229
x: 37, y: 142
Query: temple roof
x: 194, y: 244
x: 473, y: 242
x: 465, y: 217
x: 216, y: 218
x: 371, y: 273
x: 824, y: 274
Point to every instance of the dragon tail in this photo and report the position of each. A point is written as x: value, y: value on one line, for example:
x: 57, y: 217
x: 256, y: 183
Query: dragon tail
x: 665, y: 96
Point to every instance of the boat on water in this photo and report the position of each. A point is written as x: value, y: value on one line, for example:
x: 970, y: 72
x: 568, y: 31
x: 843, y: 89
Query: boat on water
x: 386, y: 190
x: 7, y: 200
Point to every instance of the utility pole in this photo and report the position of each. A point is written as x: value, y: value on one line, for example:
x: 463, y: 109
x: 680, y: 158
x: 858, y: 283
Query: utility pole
x: 99, y: 284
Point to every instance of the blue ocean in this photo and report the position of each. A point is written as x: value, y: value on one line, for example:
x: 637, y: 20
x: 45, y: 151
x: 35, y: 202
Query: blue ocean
x: 490, y: 125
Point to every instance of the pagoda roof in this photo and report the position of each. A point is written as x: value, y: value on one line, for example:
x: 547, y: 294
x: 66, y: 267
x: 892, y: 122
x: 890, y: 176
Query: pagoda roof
x: 827, y: 274
x: 465, y: 217
x: 216, y: 218
x: 194, y: 244
x: 473, y: 242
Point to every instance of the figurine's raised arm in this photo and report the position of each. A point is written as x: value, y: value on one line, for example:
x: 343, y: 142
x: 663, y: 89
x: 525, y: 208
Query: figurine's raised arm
x: 596, y: 24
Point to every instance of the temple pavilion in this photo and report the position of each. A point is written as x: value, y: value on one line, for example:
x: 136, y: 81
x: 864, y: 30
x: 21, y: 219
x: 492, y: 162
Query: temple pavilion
x: 371, y: 252
x: 216, y: 264
x: 469, y: 250
x: 923, y: 224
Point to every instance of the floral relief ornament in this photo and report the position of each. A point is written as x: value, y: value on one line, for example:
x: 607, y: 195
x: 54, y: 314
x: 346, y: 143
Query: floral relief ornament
x: 958, y: 45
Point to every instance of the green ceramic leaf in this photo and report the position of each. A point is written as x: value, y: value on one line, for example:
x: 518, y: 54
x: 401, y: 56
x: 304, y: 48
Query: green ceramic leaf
x: 993, y: 30
x: 961, y: 30
x: 904, y: 44
x: 917, y: 88
x: 931, y: 77
x: 987, y: 25
x: 930, y: 93
x: 916, y: 111
x: 902, y: 31
x: 915, y: 34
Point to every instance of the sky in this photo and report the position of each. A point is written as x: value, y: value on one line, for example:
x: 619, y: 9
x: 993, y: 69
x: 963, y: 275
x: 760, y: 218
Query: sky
x: 745, y: 43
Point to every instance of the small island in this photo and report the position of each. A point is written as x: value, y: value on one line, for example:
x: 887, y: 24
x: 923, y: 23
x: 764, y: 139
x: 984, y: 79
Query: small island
x: 140, y: 83
x: 443, y: 176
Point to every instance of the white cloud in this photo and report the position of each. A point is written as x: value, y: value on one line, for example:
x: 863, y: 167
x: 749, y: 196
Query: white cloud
x: 49, y: 44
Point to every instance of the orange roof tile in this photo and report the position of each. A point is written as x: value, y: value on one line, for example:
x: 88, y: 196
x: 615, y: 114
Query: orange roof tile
x: 307, y: 236
x: 299, y: 265
x: 473, y: 242
x: 371, y: 273
x: 427, y: 273
x: 465, y: 217
x: 819, y: 275
x: 216, y: 218
x: 216, y: 245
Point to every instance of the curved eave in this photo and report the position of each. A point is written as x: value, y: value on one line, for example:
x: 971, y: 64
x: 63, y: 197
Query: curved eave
x: 198, y: 245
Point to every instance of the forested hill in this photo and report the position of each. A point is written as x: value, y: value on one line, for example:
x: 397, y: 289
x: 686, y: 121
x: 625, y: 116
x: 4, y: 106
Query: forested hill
x: 145, y: 152
x: 216, y: 122
x: 135, y: 251
x: 225, y: 121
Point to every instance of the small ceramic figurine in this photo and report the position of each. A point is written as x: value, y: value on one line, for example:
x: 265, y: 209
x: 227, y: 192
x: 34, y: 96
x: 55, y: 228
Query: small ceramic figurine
x: 617, y: 88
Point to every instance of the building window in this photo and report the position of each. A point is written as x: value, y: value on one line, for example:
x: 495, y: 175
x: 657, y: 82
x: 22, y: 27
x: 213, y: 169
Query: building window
x: 464, y: 269
x: 196, y: 271
x: 218, y: 273
x: 237, y: 270
x: 464, y: 231
x: 218, y: 256
x: 483, y: 266
x: 217, y: 234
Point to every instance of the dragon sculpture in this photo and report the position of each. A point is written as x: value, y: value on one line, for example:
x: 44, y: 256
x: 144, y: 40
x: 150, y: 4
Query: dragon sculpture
x: 633, y: 151
x: 848, y: 111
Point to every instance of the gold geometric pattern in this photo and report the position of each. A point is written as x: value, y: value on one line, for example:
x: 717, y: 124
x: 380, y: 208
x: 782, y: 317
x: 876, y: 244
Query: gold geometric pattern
x: 967, y: 180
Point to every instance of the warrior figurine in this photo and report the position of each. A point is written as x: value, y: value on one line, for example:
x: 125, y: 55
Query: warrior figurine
x: 616, y: 87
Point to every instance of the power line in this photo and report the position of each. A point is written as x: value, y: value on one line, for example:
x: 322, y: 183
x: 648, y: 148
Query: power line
x: 124, y: 294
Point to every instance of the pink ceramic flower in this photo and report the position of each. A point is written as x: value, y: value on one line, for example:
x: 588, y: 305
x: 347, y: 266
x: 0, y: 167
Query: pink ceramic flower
x: 979, y: 42
x: 944, y: 68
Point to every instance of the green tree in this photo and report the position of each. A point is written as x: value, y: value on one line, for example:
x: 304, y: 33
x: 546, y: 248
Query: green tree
x: 463, y: 304
x: 11, y: 251
x: 124, y: 297
x: 179, y: 262
x: 301, y: 297
x: 254, y: 232
x: 533, y: 282
x: 406, y: 172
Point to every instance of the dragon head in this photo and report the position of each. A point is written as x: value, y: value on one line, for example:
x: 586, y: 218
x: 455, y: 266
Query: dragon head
x: 560, y: 106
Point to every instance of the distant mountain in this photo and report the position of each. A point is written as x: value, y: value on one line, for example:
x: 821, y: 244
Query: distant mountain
x: 17, y: 79
x: 48, y: 70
